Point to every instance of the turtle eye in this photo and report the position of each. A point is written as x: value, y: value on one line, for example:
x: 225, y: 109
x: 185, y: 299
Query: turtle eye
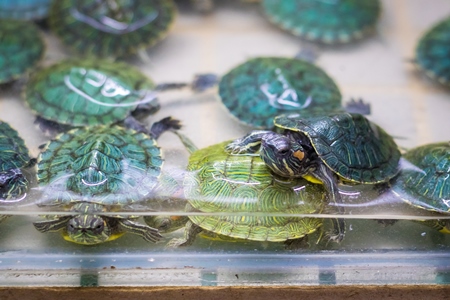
x: 283, y: 151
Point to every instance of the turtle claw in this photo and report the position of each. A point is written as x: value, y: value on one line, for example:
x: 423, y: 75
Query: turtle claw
x: 176, y: 243
x: 165, y: 124
x: 202, y: 82
x: 235, y: 147
x: 152, y: 235
x: 358, y: 106
x: 335, y: 237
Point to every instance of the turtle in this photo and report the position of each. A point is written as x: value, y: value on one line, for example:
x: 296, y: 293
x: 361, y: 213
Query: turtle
x: 325, y: 148
x: 95, y: 170
x: 14, y: 156
x: 24, y: 9
x: 262, y: 88
x: 235, y: 197
x: 425, y: 181
x: 88, y: 92
x: 21, y: 48
x: 433, y: 52
x: 111, y: 28
x: 325, y: 21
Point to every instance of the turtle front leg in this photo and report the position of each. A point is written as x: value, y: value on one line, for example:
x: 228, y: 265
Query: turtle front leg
x: 248, y: 144
x: 201, y: 83
x: 12, y: 184
x: 358, y: 107
x: 191, y: 231
x: 146, y: 232
x: 52, y: 225
x: 163, y: 125
x: 328, y: 179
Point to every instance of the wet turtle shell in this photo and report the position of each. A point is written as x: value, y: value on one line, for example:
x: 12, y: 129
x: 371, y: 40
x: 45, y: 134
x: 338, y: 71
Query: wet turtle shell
x: 111, y: 28
x: 92, y: 170
x: 239, y: 186
x: 350, y: 145
x: 262, y: 88
x: 14, y: 156
x: 24, y: 9
x: 21, y: 48
x: 433, y: 52
x: 78, y: 92
x: 425, y: 181
x: 320, y: 146
x: 326, y: 21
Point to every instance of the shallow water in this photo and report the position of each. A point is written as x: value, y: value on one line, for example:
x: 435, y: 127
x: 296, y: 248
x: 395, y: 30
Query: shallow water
x: 409, y: 106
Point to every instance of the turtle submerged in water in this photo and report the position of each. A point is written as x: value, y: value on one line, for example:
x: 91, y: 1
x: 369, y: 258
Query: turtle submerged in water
x: 325, y: 149
x: 245, y: 193
x: 425, y: 181
x: 14, y: 157
x: 95, y: 171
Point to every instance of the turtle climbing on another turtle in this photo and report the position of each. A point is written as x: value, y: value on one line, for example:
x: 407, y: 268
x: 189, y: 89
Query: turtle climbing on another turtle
x: 433, y: 52
x: 424, y: 182
x: 245, y: 193
x: 111, y: 28
x: 21, y: 49
x: 96, y: 170
x: 14, y: 157
x: 325, y: 21
x: 325, y: 149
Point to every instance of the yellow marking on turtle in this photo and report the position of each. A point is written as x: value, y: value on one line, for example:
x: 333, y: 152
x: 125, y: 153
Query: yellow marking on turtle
x: 312, y: 179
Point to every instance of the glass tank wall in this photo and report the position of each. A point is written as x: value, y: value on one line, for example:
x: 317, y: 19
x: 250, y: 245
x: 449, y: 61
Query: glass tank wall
x: 389, y: 239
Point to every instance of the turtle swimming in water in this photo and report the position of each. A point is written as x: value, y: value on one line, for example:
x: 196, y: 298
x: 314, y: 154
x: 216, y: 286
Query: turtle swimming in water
x: 245, y: 192
x: 325, y: 21
x: 433, y: 52
x: 325, y: 149
x: 21, y: 48
x: 14, y: 157
x: 425, y: 181
x: 97, y: 170
x: 111, y: 28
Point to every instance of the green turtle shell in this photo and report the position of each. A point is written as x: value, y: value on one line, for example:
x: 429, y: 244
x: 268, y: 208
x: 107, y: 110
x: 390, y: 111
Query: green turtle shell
x: 326, y: 21
x: 13, y: 155
x: 103, y: 165
x: 433, y: 52
x: 111, y: 28
x: 218, y: 182
x: 24, y: 9
x: 262, y: 88
x: 21, y: 48
x: 425, y: 183
x: 87, y: 92
x: 350, y: 145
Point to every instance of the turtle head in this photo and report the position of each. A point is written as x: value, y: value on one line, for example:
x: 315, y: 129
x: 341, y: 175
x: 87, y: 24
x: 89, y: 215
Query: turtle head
x: 88, y: 230
x: 166, y: 223
x: 283, y: 155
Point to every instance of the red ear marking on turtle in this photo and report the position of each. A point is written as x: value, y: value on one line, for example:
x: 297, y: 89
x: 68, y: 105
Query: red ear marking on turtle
x: 299, y: 154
